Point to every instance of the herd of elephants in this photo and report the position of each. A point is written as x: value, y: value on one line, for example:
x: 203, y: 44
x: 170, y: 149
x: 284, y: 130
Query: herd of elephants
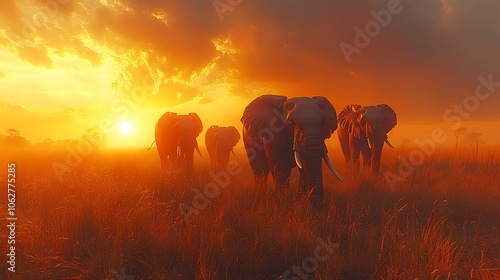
x: 280, y: 133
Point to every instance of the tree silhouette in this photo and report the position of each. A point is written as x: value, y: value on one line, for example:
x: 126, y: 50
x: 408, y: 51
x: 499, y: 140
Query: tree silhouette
x: 474, y: 138
x: 458, y: 132
x: 14, y: 139
x: 11, y: 132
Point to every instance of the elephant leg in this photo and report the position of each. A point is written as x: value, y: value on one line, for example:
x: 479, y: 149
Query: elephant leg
x: 344, y: 145
x: 366, y: 157
x: 212, y: 162
x: 257, y: 159
x: 302, y: 181
x: 355, y: 156
x: 281, y: 177
x: 279, y: 158
x: 261, y: 180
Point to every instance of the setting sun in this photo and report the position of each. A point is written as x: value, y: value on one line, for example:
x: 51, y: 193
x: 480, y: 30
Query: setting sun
x: 125, y: 127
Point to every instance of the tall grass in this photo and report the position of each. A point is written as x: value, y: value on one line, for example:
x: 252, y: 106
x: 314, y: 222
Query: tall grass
x: 117, y: 211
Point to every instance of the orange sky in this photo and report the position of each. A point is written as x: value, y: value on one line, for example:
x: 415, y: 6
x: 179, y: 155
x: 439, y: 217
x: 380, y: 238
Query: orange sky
x: 68, y: 65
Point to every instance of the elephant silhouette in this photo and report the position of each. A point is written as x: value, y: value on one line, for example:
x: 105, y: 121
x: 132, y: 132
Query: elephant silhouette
x: 363, y: 130
x: 220, y: 141
x: 280, y: 133
x: 175, y: 137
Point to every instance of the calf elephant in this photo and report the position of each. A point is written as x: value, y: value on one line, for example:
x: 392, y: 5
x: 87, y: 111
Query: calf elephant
x: 220, y: 141
x: 364, y: 130
x: 175, y: 137
x: 280, y: 133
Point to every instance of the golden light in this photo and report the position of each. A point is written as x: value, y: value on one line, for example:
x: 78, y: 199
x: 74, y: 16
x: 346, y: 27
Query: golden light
x: 125, y: 127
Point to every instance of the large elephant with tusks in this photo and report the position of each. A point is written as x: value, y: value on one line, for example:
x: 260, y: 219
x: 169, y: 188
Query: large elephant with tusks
x: 175, y: 137
x: 280, y: 133
x: 363, y: 130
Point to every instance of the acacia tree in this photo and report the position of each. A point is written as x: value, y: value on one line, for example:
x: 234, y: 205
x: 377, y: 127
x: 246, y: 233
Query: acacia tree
x: 474, y: 138
x: 458, y: 132
x: 14, y: 139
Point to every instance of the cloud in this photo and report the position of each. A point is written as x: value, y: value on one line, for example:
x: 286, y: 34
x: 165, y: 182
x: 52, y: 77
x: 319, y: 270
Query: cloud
x: 36, y: 56
x: 9, y: 106
x: 428, y: 56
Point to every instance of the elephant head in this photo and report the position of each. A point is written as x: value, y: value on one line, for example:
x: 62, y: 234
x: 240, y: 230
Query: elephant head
x: 281, y: 133
x: 364, y: 129
x: 175, y: 137
x: 220, y: 141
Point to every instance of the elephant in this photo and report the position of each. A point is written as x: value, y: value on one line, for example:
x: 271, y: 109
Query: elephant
x: 175, y: 137
x: 364, y: 130
x: 280, y: 133
x: 220, y: 141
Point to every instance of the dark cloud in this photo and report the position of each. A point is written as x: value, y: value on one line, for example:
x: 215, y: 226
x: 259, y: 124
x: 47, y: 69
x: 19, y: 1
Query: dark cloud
x: 428, y: 56
x: 185, y: 41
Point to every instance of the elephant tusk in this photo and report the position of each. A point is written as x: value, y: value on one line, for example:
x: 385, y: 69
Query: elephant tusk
x: 388, y: 143
x: 232, y: 151
x: 298, y: 159
x: 151, y: 145
x: 198, y: 150
x: 330, y: 165
x: 369, y: 144
x: 178, y: 151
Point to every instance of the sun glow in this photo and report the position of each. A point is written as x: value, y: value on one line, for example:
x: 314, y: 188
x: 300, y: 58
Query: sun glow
x: 125, y: 127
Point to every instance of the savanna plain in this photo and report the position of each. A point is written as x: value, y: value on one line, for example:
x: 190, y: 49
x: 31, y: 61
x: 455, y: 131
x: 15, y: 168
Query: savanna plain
x: 118, y: 215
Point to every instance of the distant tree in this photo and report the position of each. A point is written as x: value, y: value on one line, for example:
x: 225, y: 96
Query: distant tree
x: 95, y: 137
x: 14, y: 139
x: 11, y: 132
x: 458, y: 132
x: 47, y: 143
x: 474, y: 138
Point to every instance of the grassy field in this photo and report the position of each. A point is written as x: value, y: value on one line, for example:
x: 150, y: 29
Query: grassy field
x: 116, y: 215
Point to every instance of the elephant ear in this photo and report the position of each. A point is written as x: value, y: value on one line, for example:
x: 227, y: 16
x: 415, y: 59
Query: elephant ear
x: 210, y: 138
x: 166, y: 123
x: 258, y: 114
x: 390, y: 119
x: 348, y: 120
x: 168, y: 117
x: 214, y: 129
x: 197, y: 122
x: 234, y: 134
x: 330, y: 122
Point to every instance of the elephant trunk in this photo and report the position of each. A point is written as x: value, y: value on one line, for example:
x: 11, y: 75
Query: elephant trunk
x: 313, y: 174
x: 221, y: 158
x: 377, y: 145
x: 311, y: 148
